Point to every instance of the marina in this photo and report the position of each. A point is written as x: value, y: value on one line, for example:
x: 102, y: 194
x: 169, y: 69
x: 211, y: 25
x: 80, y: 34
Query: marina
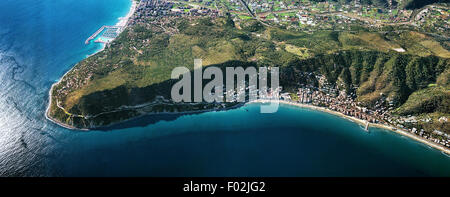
x: 111, y: 32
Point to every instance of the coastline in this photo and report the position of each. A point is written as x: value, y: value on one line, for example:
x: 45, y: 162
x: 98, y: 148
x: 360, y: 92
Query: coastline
x: 167, y: 113
x: 300, y: 105
x: 123, y: 21
x: 399, y: 131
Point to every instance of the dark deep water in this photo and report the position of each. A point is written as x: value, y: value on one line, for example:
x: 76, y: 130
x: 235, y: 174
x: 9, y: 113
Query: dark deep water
x: 41, y: 39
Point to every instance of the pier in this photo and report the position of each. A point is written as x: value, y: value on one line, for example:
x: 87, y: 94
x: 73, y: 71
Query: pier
x: 93, y: 36
x: 367, y: 126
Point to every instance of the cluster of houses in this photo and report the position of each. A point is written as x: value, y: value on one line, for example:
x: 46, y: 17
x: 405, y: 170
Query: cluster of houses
x: 328, y: 96
x: 346, y: 105
x: 165, y: 8
x: 436, y: 136
x: 436, y: 17
x: 323, y: 15
x: 341, y: 103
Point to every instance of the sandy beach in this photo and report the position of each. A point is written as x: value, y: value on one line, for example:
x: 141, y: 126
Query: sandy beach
x: 124, y: 20
x: 363, y: 122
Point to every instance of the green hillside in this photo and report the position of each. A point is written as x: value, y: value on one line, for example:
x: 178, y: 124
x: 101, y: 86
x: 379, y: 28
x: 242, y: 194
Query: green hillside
x: 135, y: 69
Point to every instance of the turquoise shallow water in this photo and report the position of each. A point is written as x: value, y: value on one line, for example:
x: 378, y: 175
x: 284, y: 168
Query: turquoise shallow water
x: 41, y: 39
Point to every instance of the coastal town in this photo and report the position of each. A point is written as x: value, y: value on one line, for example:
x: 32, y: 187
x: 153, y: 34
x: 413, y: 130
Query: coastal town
x: 305, y: 16
x: 327, y: 97
x: 313, y: 16
x: 330, y: 98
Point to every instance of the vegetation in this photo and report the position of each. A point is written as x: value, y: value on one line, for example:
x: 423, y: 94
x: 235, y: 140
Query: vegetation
x: 409, y: 4
x: 135, y: 69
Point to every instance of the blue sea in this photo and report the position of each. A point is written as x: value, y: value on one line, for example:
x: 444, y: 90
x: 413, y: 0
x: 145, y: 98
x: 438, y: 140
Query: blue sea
x: 40, y: 40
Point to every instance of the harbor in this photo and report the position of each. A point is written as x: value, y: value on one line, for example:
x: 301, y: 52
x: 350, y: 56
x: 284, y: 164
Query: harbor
x: 110, y: 32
